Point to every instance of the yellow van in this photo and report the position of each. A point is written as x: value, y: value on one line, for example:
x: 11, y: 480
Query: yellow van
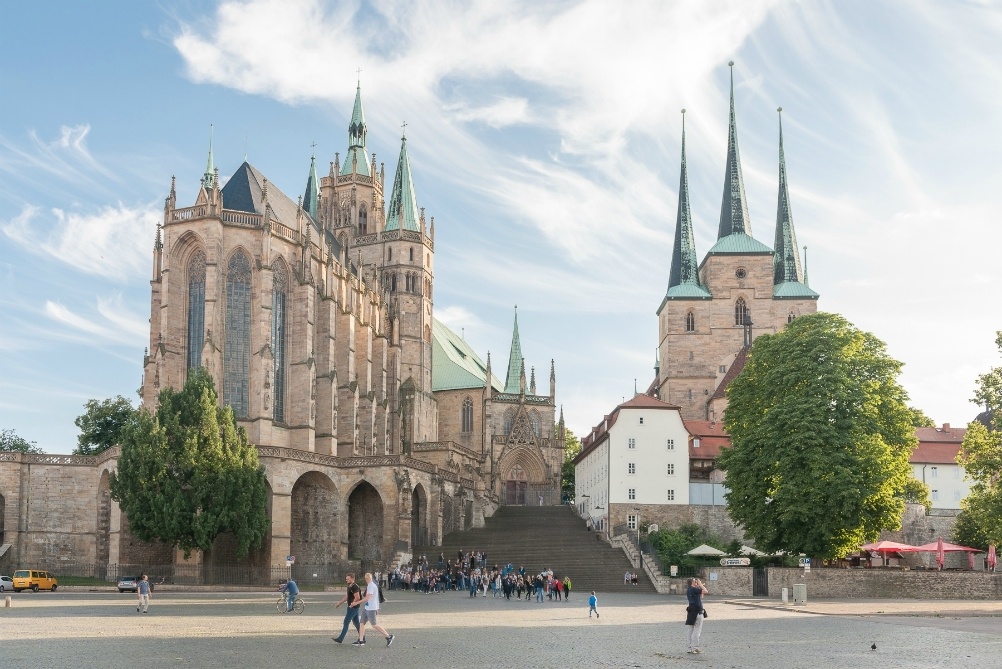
x: 31, y: 579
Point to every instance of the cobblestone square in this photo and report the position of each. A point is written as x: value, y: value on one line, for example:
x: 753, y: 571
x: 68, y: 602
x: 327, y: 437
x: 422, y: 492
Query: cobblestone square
x: 244, y: 630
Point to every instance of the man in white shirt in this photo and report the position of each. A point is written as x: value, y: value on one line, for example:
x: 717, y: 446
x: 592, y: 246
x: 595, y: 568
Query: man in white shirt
x: 368, y: 608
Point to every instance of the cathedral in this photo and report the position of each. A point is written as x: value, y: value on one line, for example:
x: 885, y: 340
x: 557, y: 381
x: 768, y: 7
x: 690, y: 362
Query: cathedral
x: 378, y: 427
x: 713, y: 310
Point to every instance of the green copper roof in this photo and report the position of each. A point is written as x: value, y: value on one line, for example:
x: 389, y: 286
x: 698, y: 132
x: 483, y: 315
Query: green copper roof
x: 403, y: 211
x: 454, y: 364
x: 512, y: 383
x: 312, y: 190
x: 738, y: 243
x: 790, y: 290
x: 733, y: 206
x: 786, y: 262
x: 683, y: 278
x: 356, y: 140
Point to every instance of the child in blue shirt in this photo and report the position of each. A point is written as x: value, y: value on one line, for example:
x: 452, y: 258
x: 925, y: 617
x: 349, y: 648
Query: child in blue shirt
x: 592, y: 603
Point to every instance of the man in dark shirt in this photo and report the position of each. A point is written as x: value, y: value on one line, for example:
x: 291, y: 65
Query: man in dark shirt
x: 352, y: 594
x: 694, y: 614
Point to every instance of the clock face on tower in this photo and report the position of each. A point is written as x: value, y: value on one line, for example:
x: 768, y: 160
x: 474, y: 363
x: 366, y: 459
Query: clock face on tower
x: 740, y: 273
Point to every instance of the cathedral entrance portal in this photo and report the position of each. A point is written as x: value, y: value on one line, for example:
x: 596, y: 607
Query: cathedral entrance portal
x: 419, y: 517
x: 515, y: 487
x: 365, y: 523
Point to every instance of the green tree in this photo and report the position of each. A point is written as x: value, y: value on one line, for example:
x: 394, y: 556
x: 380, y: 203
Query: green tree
x: 102, y: 423
x: 188, y: 473
x: 10, y: 441
x: 572, y: 446
x: 920, y: 419
x: 917, y: 492
x: 820, y: 435
x: 981, y: 457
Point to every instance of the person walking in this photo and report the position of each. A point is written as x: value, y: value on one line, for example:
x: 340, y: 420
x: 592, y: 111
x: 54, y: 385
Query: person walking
x: 368, y: 613
x: 143, y: 592
x: 567, y: 588
x: 694, y: 614
x: 593, y: 605
x: 352, y: 594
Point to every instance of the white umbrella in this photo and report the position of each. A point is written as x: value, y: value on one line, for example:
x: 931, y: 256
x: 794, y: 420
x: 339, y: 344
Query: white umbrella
x: 748, y: 550
x: 703, y: 549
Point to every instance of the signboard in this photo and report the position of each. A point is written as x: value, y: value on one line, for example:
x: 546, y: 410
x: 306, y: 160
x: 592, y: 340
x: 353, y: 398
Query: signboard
x: 735, y: 562
x: 674, y: 570
x: 805, y: 562
x: 714, y: 576
x: 290, y: 560
x: 653, y: 527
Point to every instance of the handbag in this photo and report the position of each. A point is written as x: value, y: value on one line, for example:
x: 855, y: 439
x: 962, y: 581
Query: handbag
x: 705, y: 614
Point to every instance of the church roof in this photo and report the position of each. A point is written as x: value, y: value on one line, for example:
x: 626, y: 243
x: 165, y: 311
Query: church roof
x: 356, y: 139
x: 732, y: 373
x: 793, y: 290
x: 243, y: 192
x: 739, y: 243
x: 454, y: 364
x: 512, y: 383
x: 683, y: 277
x: 312, y: 190
x: 403, y: 211
x: 734, y: 217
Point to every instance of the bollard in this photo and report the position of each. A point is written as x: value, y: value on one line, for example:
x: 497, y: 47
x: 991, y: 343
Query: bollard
x: 6, y: 602
x: 786, y: 595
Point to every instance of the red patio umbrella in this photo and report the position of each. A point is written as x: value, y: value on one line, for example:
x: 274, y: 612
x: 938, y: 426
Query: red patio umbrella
x: 940, y: 553
x: 992, y: 558
x: 885, y: 547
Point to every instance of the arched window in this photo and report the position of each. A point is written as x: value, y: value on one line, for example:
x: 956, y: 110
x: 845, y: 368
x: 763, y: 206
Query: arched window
x: 789, y: 319
x: 509, y: 418
x: 393, y: 283
x: 389, y: 254
x: 278, y: 329
x: 363, y: 220
x: 690, y: 322
x: 412, y: 254
x: 740, y: 311
x: 467, y: 415
x: 196, y: 309
x: 536, y: 426
x: 236, y: 355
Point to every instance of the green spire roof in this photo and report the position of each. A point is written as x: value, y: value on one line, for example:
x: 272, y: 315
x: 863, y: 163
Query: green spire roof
x: 512, y: 382
x: 734, y: 217
x: 454, y: 364
x: 356, y: 139
x: 789, y: 276
x: 312, y: 190
x: 210, y: 171
x: 683, y: 278
x: 403, y: 211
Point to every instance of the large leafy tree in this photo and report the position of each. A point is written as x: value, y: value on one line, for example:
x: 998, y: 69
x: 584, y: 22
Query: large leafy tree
x: 12, y: 441
x: 188, y: 473
x: 102, y: 423
x: 820, y: 439
x: 980, y: 520
x: 572, y: 446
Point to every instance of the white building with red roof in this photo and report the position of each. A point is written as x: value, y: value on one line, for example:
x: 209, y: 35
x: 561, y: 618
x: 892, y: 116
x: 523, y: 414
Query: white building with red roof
x: 934, y: 462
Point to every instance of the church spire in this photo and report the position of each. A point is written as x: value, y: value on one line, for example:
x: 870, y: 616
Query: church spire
x: 403, y: 212
x: 210, y: 171
x: 786, y: 261
x: 312, y: 189
x: 356, y: 157
x: 516, y: 367
x: 734, y: 217
x: 683, y: 278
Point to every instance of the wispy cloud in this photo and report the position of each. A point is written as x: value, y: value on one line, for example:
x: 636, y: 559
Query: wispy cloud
x: 116, y: 323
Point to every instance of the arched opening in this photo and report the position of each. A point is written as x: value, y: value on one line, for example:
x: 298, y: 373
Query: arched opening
x: 196, y: 309
x: 365, y: 523
x: 103, y: 522
x: 537, y: 428
x: 515, y: 486
x: 740, y: 311
x: 222, y: 566
x: 236, y: 356
x: 690, y: 322
x: 790, y: 318
x: 363, y: 221
x: 419, y: 517
x: 509, y: 419
x: 278, y: 338
x: 467, y: 415
x: 314, y: 520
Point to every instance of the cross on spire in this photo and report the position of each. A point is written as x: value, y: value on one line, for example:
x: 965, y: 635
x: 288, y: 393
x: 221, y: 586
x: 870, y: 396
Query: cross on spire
x: 404, y: 126
x: 358, y: 72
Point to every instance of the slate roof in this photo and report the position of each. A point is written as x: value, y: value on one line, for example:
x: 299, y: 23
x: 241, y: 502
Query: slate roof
x: 739, y: 243
x: 454, y: 364
x: 792, y: 290
x: 403, y: 210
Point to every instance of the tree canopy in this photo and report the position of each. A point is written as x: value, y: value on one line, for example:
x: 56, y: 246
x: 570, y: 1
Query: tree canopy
x: 821, y: 435
x: 188, y: 473
x: 920, y: 418
x: 102, y: 423
x: 980, y: 520
x: 13, y: 442
x: 572, y: 446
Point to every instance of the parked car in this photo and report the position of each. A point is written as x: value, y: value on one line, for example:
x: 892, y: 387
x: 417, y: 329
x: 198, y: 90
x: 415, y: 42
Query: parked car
x: 129, y: 583
x: 35, y: 580
x: 6, y: 583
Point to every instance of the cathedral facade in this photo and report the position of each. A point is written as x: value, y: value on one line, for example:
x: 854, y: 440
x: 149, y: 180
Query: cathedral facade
x: 379, y: 428
x: 713, y: 310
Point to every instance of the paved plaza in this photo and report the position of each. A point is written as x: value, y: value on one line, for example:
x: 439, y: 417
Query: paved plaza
x: 243, y: 630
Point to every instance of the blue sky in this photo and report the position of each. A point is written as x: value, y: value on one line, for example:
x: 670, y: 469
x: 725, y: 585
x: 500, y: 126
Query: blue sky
x: 544, y: 137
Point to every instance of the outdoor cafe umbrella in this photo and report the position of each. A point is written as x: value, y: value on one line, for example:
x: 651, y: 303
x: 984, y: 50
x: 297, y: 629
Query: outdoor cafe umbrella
x: 885, y: 547
x: 992, y: 558
x: 941, y: 548
x: 703, y: 549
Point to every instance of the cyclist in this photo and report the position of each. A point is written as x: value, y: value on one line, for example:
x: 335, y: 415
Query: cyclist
x: 290, y: 589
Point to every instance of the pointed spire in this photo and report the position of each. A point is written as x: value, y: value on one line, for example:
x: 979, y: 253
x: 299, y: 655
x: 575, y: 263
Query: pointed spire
x: 734, y: 217
x: 356, y: 158
x: 208, y: 177
x: 403, y: 211
x: 786, y: 261
x: 312, y: 193
x: 806, y: 282
x: 515, y: 366
x: 532, y: 381
x: 684, y: 266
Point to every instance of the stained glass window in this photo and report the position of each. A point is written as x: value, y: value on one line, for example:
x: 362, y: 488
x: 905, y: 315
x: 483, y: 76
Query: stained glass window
x: 467, y: 415
x: 278, y: 296
x: 236, y: 355
x: 196, y: 309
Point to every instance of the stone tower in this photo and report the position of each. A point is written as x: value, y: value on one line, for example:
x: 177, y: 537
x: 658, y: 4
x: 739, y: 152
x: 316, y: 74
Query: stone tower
x: 712, y: 312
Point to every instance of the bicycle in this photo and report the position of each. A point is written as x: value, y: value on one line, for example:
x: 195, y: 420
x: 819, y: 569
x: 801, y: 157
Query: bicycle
x: 283, y: 605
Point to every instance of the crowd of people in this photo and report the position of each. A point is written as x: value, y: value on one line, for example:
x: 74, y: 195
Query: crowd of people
x: 471, y: 572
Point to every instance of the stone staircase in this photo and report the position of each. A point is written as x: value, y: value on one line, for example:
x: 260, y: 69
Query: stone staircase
x: 545, y: 536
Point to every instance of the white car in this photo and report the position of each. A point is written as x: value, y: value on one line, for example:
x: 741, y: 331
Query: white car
x: 6, y: 583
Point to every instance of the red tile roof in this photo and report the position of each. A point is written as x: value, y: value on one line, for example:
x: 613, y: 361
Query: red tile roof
x: 599, y: 433
x: 732, y: 373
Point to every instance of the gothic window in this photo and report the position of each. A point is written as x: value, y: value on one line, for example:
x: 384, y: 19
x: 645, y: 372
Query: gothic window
x: 393, y: 283
x: 509, y: 418
x: 196, y: 309
x: 363, y: 221
x: 690, y: 322
x: 790, y: 317
x: 740, y: 311
x: 536, y: 426
x: 467, y: 415
x: 389, y: 254
x: 278, y: 330
x: 236, y: 355
x: 412, y: 254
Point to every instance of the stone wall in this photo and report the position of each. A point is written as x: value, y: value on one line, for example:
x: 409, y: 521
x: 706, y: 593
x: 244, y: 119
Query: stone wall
x: 714, y: 519
x: 887, y: 583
